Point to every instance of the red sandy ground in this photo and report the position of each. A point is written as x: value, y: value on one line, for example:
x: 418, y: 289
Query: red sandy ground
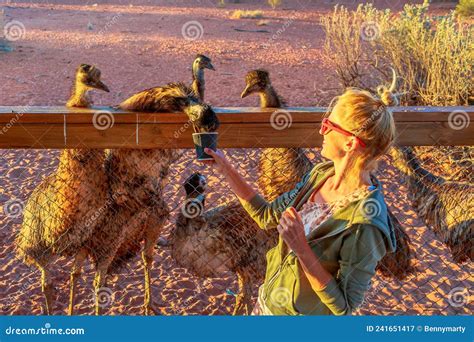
x: 142, y: 48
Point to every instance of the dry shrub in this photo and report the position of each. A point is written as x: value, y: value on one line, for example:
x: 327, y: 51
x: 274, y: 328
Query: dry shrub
x: 274, y: 3
x: 465, y: 8
x: 431, y: 55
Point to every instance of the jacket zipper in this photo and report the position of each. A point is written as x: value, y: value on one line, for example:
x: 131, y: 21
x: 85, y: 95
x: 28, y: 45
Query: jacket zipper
x: 272, y: 279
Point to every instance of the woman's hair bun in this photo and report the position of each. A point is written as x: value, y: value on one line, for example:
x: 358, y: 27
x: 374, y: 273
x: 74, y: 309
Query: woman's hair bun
x: 387, y: 97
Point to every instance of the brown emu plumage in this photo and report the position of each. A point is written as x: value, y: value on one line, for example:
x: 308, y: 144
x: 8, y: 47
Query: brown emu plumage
x: 279, y: 168
x: 58, y: 215
x: 137, y: 178
x: 223, y: 239
x: 172, y: 97
x: 445, y: 206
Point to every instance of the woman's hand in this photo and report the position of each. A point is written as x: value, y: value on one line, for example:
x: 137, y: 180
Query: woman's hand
x: 220, y: 162
x: 291, y: 229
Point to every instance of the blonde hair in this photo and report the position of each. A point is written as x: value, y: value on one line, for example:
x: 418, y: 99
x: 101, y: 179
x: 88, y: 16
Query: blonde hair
x: 369, y: 118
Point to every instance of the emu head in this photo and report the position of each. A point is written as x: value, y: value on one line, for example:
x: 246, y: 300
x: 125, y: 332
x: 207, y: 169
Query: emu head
x: 89, y: 76
x: 194, y: 186
x: 256, y: 81
x: 202, y: 62
x: 203, y: 117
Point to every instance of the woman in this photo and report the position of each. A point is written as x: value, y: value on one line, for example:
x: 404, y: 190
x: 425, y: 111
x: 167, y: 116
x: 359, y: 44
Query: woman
x: 333, y: 225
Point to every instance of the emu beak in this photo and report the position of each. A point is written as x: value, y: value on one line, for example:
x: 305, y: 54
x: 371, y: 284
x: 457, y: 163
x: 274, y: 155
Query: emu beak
x: 101, y: 86
x: 210, y: 66
x: 246, y: 92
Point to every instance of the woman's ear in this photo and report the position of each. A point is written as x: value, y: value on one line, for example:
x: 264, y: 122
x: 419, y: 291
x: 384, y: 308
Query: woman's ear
x: 350, y: 144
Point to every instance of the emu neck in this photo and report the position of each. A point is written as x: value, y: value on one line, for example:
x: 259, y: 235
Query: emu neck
x: 269, y: 98
x: 79, y: 96
x: 408, y: 163
x: 196, y: 195
x: 421, y: 174
x: 198, y: 82
x: 73, y: 161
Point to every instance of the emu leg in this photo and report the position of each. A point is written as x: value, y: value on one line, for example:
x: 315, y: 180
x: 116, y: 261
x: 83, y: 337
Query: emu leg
x: 239, y: 299
x: 48, y: 289
x: 147, y: 262
x: 75, y: 273
x: 101, y: 294
x: 243, y: 301
x: 153, y: 231
x: 247, y: 298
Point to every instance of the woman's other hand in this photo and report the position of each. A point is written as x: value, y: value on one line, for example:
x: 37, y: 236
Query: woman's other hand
x: 291, y: 229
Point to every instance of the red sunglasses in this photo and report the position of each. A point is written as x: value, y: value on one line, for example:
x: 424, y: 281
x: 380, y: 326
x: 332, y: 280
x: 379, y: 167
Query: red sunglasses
x: 327, y: 125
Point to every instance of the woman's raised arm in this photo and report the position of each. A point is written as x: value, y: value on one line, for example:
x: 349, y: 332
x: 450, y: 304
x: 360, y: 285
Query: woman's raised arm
x: 237, y: 183
x: 265, y: 214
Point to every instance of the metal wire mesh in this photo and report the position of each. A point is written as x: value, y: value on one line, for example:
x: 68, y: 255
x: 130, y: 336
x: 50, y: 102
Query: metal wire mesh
x: 112, y: 217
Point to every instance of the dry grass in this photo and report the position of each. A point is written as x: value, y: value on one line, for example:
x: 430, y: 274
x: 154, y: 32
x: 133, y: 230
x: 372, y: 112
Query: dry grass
x: 274, y: 3
x: 242, y: 14
x: 432, y: 55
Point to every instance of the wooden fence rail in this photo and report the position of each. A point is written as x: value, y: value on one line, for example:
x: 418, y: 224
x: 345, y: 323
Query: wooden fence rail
x: 104, y: 127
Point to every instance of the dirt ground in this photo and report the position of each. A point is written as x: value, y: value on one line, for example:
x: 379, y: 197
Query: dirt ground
x: 138, y: 44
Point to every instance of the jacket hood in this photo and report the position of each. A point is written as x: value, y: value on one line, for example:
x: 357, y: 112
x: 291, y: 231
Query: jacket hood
x: 369, y: 210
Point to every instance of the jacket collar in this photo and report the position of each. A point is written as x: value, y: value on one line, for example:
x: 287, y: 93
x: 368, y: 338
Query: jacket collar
x: 370, y: 210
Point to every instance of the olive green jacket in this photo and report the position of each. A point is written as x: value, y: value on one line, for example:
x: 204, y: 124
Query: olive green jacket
x: 349, y: 245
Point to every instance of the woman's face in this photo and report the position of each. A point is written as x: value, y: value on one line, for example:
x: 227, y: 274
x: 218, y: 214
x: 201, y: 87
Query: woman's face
x: 336, y: 145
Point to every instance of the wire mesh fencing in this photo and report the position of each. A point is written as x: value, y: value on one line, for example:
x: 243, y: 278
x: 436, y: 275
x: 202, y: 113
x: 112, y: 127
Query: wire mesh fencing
x: 134, y: 232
